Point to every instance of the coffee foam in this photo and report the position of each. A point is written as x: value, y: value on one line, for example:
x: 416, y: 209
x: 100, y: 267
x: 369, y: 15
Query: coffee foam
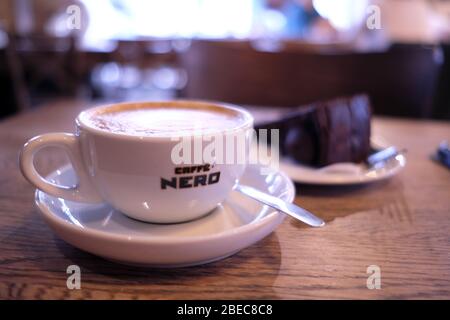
x: 164, y: 121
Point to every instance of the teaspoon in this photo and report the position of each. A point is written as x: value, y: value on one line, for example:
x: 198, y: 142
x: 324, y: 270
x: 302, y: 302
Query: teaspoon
x: 282, y: 206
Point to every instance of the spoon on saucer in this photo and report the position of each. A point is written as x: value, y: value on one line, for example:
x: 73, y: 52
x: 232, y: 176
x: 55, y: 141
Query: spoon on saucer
x: 282, y: 206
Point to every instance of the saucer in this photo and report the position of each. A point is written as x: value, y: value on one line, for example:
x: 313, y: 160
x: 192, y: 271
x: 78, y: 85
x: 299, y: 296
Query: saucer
x: 344, y: 173
x: 101, y: 230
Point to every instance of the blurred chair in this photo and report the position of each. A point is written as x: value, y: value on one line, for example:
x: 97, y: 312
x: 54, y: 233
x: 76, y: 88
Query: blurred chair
x: 144, y: 53
x: 140, y: 69
x: 52, y: 66
x: 12, y: 87
x: 400, y: 81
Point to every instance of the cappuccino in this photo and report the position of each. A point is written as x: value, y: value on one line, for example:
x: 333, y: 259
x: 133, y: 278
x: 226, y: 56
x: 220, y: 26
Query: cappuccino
x: 123, y: 155
x: 144, y: 120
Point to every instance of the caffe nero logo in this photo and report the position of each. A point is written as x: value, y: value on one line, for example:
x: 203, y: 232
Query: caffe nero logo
x: 191, y: 177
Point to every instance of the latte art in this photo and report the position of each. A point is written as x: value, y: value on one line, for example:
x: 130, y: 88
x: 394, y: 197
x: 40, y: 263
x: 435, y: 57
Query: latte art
x: 163, y: 121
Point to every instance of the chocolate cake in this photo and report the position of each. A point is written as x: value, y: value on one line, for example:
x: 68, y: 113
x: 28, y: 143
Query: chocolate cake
x: 326, y: 132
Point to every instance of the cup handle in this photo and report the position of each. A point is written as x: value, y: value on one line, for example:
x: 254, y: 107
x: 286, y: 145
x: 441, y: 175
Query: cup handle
x: 84, y: 191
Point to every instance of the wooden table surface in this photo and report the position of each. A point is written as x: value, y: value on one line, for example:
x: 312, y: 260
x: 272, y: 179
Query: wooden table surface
x: 401, y: 225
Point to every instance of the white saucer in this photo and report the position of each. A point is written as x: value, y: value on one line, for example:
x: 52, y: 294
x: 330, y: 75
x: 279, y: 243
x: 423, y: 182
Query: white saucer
x: 344, y: 173
x: 238, y: 223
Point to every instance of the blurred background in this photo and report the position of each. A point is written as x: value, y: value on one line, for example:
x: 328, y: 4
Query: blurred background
x: 278, y: 53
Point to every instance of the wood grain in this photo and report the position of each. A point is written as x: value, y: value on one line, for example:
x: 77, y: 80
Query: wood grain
x: 402, y: 225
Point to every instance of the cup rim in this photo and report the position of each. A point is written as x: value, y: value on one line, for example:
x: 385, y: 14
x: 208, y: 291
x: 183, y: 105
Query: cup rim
x: 247, y: 123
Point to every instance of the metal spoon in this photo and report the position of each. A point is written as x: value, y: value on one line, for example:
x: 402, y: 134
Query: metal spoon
x: 375, y: 161
x: 281, y: 205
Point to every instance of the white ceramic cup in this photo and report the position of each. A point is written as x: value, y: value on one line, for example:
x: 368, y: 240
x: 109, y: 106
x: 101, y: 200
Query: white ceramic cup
x: 126, y: 171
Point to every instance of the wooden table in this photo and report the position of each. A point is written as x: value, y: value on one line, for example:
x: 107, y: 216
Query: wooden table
x: 402, y: 226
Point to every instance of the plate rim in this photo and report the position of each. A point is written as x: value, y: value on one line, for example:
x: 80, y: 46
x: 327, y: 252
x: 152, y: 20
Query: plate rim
x: 350, y: 181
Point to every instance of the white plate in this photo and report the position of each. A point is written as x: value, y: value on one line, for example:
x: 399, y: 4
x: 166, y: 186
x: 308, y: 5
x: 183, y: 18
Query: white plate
x: 236, y: 224
x: 353, y: 173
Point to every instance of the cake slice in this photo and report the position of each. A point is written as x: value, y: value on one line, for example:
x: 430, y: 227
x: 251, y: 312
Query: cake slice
x: 326, y: 132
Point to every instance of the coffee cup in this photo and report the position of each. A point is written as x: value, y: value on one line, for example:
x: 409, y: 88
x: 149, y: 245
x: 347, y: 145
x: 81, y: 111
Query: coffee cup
x: 130, y: 156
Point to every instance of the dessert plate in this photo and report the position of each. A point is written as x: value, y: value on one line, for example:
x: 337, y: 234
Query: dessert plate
x: 99, y: 229
x: 344, y: 173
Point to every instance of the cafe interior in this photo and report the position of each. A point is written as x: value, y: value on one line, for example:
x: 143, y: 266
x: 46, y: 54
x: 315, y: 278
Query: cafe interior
x: 283, y: 53
x: 387, y: 61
